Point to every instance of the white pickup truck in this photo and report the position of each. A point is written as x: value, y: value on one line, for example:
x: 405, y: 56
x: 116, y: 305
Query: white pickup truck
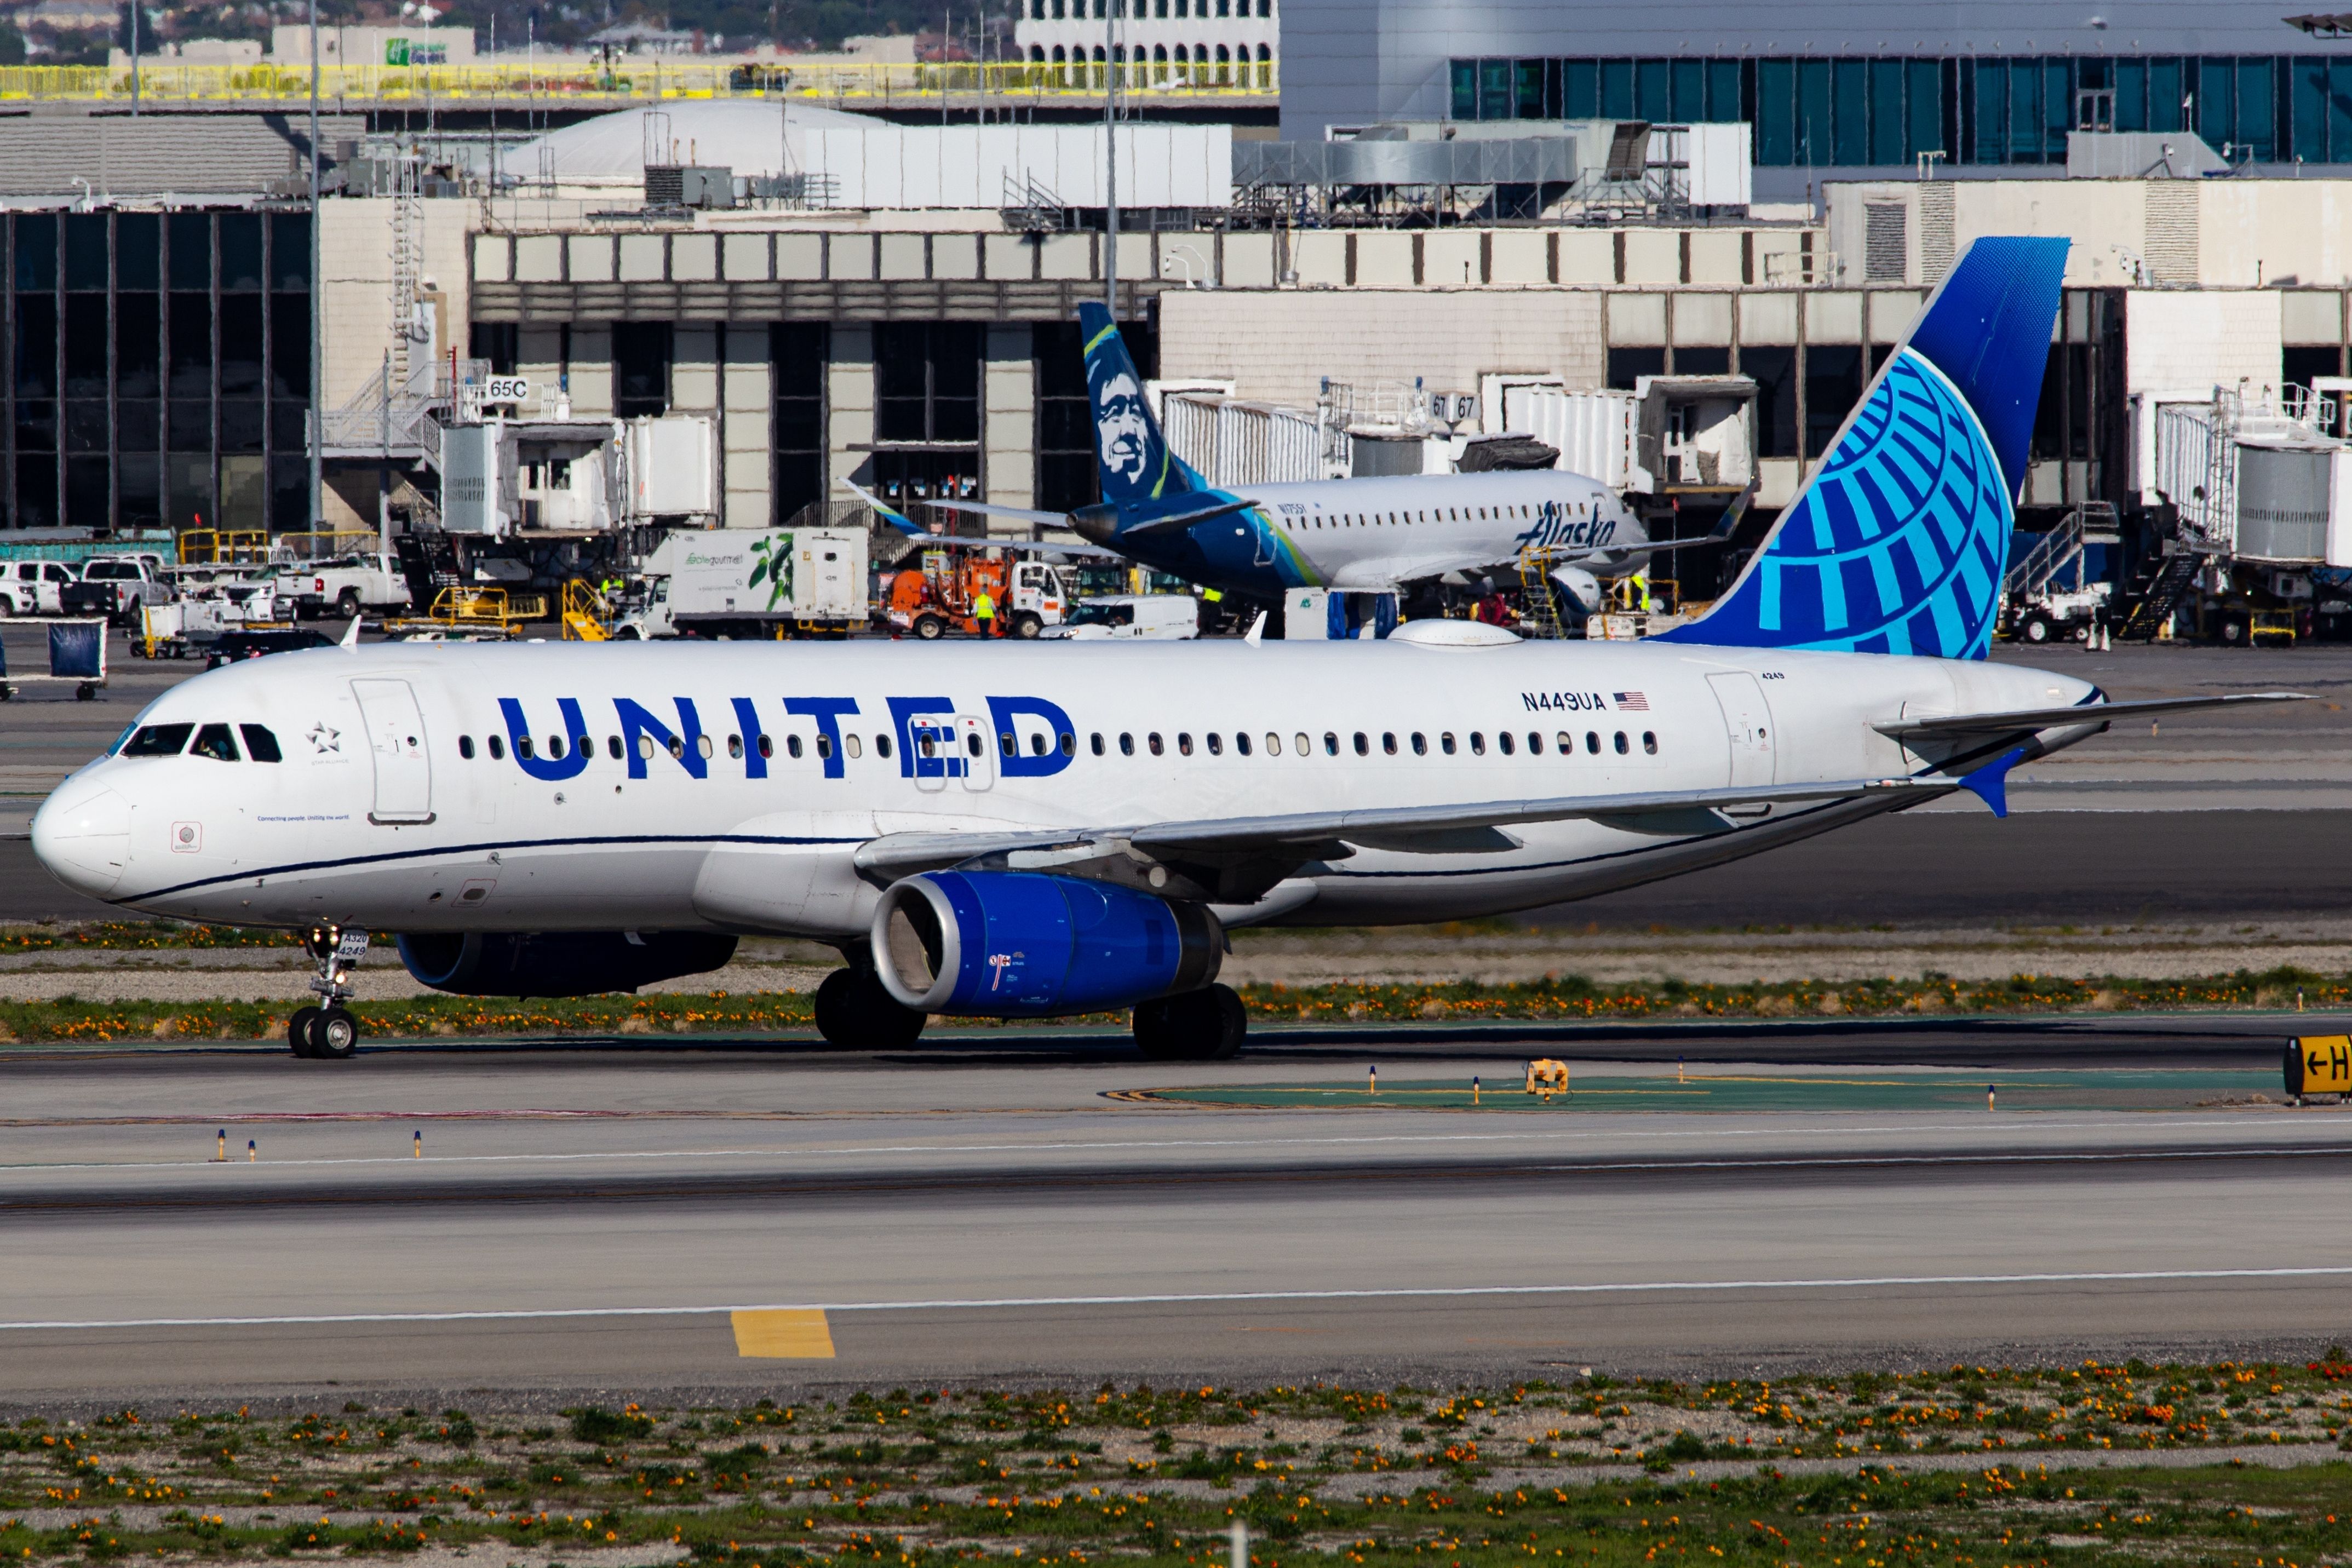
x: 344, y: 585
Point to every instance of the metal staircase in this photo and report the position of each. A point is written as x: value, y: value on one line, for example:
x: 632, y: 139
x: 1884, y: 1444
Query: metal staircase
x: 2093, y: 522
x: 2153, y: 605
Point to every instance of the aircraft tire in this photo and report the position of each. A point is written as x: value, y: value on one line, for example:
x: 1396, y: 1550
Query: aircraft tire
x: 298, y: 1032
x: 335, y: 1035
x: 1207, y: 1025
x: 853, y: 1009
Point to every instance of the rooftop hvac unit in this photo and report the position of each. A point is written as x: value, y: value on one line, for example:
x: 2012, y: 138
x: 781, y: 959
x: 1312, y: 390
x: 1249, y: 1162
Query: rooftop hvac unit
x: 688, y: 185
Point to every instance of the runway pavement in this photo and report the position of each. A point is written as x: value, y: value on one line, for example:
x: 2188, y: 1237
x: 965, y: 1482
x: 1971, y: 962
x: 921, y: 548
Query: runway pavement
x: 593, y: 1221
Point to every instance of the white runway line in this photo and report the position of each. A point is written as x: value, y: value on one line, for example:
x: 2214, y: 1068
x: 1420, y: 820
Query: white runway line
x: 987, y: 1303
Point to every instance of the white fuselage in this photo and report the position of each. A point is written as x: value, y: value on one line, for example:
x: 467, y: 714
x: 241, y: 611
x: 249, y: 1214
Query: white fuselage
x: 1381, y: 532
x: 389, y: 810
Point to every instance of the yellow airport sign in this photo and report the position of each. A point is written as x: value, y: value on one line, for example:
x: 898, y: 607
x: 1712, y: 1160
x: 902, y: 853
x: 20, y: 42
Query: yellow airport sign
x: 2319, y: 1064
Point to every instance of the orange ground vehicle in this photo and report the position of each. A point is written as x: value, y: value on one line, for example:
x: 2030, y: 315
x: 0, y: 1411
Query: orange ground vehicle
x: 938, y: 598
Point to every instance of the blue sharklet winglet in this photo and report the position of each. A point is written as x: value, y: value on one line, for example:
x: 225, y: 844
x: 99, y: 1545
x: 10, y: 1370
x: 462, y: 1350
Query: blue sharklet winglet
x: 1990, y: 782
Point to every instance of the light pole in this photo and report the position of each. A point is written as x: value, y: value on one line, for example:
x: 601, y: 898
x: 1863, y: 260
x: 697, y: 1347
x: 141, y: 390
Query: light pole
x: 1110, y: 157
x: 317, y: 315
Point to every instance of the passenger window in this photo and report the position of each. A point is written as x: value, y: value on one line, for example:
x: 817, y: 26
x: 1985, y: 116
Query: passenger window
x: 767, y: 747
x: 1420, y: 744
x: 1446, y: 743
x: 1477, y: 743
x: 555, y: 746
x: 1273, y: 744
x: 791, y: 745
x: 851, y: 744
x: 735, y: 746
x: 1095, y: 742
x: 214, y: 741
x: 1592, y: 742
x: 522, y: 747
x: 1069, y: 744
x: 466, y: 747
x: 587, y: 745
x: 159, y: 740
x: 261, y: 744
x: 1153, y: 741
x: 1216, y: 744
x: 1622, y: 748
x: 498, y: 750
x: 1184, y: 743
x: 1242, y: 743
x: 1388, y: 743
x: 613, y: 747
x: 1650, y: 741
x: 1535, y: 743
x: 1330, y: 744
x: 1304, y: 749
x: 1502, y: 742
x: 1363, y: 744
x: 1126, y: 745
x: 971, y: 745
x: 1565, y: 742
x: 1005, y: 744
x: 678, y: 747
x: 881, y: 745
x: 824, y: 748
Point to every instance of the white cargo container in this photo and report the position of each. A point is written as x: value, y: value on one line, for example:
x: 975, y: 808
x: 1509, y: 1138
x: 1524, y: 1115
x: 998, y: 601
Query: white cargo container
x: 1671, y: 435
x: 747, y: 583
x: 671, y: 467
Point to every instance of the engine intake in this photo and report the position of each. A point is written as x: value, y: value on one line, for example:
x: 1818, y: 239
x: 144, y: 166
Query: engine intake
x: 559, y: 963
x: 1023, y: 944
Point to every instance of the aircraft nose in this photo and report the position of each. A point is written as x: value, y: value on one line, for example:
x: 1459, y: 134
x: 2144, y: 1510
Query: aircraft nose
x: 82, y: 833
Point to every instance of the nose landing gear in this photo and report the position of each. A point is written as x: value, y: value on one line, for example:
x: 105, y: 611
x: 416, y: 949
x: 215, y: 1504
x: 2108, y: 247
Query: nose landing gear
x: 329, y: 1033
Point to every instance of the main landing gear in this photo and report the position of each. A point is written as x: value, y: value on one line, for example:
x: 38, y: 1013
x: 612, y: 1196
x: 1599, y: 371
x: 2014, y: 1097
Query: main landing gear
x: 329, y: 1033
x: 1207, y: 1025
x: 852, y: 1008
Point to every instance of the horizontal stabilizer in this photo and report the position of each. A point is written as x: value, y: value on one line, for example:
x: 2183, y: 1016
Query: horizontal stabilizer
x: 2022, y: 721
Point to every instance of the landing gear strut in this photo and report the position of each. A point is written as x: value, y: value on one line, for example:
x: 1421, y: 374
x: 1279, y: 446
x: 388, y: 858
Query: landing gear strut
x: 1206, y: 1025
x: 852, y: 1008
x: 329, y: 1033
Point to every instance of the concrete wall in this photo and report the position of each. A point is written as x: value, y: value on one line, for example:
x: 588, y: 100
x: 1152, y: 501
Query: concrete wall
x: 746, y: 499
x: 1009, y: 424
x: 1278, y: 345
x: 849, y: 401
x: 355, y: 272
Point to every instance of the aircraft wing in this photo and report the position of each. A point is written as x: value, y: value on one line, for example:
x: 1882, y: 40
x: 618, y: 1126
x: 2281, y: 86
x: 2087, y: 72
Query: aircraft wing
x: 1392, y: 572
x: 2024, y: 721
x: 1282, y: 842
x: 990, y: 508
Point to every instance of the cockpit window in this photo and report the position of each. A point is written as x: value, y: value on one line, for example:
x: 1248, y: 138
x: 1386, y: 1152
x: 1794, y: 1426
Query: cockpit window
x: 128, y: 731
x: 259, y: 743
x: 159, y: 740
x: 214, y: 741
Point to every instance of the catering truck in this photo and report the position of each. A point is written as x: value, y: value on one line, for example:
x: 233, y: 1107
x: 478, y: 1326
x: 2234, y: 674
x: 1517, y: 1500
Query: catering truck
x: 748, y: 583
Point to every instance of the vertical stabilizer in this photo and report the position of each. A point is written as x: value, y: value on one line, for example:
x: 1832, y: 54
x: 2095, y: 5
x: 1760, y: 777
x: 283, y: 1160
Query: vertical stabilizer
x: 1899, y: 542
x: 1129, y: 450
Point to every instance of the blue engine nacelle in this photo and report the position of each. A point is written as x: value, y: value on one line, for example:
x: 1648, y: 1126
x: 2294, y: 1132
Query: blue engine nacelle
x: 559, y: 963
x: 995, y: 943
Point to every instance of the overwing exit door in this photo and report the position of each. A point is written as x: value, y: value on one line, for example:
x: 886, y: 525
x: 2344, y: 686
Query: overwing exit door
x: 396, y: 733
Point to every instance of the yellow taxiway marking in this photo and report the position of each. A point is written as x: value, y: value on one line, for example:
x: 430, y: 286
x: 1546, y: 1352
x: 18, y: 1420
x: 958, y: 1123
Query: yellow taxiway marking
x: 800, y: 1335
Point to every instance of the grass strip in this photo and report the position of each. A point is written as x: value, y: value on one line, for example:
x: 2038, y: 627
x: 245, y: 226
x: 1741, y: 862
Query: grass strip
x: 1565, y: 998
x: 1968, y: 1467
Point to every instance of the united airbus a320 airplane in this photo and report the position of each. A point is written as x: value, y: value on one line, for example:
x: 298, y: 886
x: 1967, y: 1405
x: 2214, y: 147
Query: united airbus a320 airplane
x: 1029, y: 830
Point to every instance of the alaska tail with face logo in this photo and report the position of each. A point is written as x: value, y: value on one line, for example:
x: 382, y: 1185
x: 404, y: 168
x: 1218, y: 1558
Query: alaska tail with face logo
x: 1133, y: 455
x: 1899, y: 542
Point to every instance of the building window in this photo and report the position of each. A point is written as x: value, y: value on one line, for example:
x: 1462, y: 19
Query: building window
x: 927, y: 381
x: 642, y: 352
x: 1833, y: 386
x: 1772, y: 367
x: 798, y: 356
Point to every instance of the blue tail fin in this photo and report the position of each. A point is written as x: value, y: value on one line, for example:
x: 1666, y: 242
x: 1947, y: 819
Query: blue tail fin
x: 1132, y: 455
x: 1898, y: 543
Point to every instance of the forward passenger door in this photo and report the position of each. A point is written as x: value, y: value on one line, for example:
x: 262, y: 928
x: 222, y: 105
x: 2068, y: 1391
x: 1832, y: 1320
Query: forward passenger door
x: 396, y: 733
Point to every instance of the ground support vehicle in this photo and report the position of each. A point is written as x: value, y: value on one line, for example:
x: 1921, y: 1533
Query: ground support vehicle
x: 472, y: 614
x: 116, y: 587
x: 35, y: 587
x: 2057, y: 615
x: 77, y: 653
x: 748, y: 585
x: 929, y: 601
x: 1144, y: 617
x: 344, y: 586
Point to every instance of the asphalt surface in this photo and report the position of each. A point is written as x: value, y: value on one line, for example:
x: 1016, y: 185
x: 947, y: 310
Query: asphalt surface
x: 589, y: 1220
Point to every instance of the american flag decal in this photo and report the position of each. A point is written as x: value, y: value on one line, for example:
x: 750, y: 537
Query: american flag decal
x: 1631, y: 702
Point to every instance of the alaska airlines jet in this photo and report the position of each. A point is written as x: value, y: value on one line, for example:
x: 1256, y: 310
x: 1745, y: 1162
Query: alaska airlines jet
x: 1032, y: 831
x: 1259, y: 540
